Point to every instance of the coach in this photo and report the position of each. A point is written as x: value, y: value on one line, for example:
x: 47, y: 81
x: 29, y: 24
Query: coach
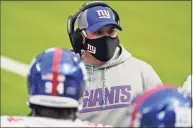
x: 115, y: 76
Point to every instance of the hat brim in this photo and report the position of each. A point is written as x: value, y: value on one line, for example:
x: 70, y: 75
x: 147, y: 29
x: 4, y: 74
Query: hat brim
x: 98, y: 25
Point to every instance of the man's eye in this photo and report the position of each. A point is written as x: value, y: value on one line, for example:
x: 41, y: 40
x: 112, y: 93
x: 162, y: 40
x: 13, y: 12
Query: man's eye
x: 111, y: 31
x: 98, y: 33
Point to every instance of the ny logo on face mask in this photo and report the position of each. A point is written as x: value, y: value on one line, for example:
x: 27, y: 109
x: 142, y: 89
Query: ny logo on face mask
x: 91, y: 49
x: 103, y: 13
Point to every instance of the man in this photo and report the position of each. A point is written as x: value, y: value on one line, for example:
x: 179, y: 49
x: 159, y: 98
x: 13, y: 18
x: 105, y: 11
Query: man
x: 114, y: 74
x: 56, y: 81
x: 162, y: 106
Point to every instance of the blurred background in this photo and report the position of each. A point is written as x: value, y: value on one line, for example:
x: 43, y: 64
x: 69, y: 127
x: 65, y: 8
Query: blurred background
x: 157, y: 32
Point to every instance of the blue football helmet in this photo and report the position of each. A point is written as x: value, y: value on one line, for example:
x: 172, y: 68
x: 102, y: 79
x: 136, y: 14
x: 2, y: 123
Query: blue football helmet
x: 57, y: 78
x: 162, y: 106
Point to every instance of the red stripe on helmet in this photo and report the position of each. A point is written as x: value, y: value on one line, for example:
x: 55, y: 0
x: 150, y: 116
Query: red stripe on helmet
x: 55, y: 69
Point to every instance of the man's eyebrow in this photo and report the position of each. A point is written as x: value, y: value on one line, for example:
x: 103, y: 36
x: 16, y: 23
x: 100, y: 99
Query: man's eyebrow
x: 100, y: 29
x: 113, y: 27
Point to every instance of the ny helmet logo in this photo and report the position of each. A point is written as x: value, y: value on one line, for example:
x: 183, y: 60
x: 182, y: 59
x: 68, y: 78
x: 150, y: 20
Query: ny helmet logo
x: 91, y: 49
x: 103, y: 14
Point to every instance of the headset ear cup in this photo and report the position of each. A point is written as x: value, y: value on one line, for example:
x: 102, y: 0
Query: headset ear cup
x: 78, y: 40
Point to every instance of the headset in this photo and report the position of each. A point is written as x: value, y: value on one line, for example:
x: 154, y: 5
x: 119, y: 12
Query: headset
x: 75, y: 36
